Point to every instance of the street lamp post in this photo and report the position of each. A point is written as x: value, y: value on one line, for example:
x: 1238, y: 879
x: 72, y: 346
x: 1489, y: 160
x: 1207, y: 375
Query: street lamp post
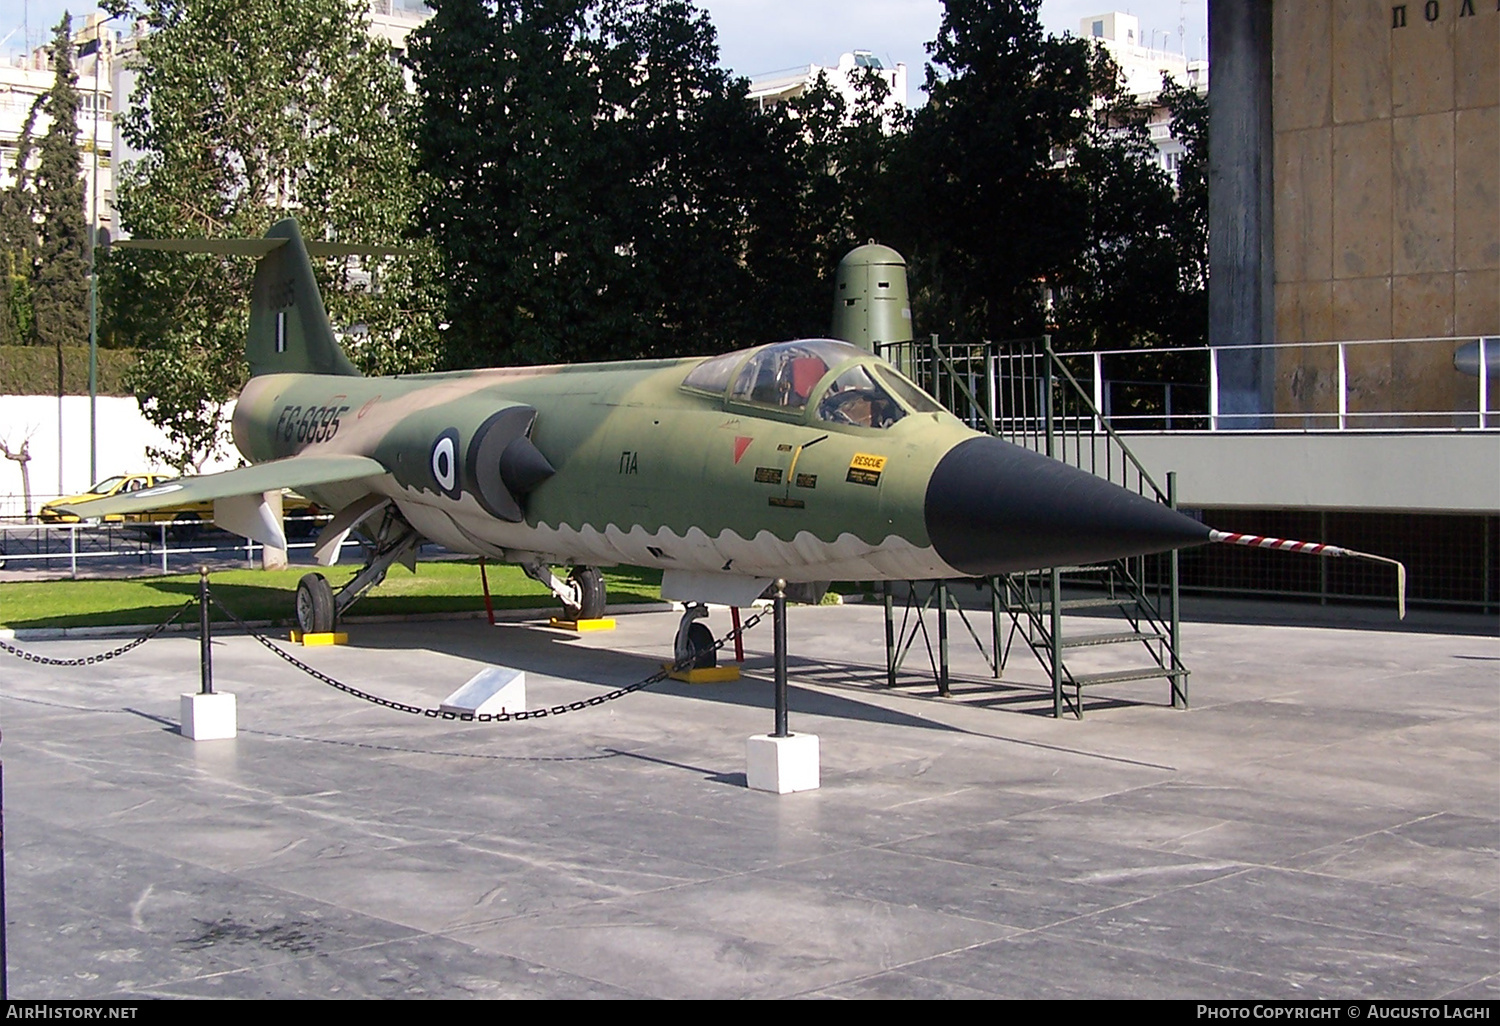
x: 94, y: 274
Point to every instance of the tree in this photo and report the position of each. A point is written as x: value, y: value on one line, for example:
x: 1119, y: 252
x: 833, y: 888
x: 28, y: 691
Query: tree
x: 990, y: 210
x: 18, y: 240
x: 592, y: 179
x: 1189, y: 110
x: 60, y: 288
x: 1122, y: 289
x: 246, y: 112
x: 829, y: 162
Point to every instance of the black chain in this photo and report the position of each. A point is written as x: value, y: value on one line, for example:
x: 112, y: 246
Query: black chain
x: 500, y: 717
x: 32, y: 657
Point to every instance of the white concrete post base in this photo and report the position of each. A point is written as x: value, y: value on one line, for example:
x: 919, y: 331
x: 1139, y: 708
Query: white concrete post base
x: 782, y: 764
x: 209, y: 717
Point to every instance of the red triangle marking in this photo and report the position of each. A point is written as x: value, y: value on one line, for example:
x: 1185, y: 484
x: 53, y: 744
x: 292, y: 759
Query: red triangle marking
x: 741, y: 443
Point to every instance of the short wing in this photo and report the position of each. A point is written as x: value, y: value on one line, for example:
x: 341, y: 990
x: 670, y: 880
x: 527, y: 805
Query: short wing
x: 291, y: 472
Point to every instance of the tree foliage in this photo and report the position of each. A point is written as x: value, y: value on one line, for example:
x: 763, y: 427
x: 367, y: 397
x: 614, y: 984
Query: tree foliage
x: 59, y: 294
x: 601, y: 189
x: 18, y: 239
x: 592, y: 171
x: 243, y: 113
x: 1189, y: 110
x: 992, y: 211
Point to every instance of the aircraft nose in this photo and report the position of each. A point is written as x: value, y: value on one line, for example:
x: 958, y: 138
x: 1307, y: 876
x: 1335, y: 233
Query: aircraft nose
x: 993, y: 508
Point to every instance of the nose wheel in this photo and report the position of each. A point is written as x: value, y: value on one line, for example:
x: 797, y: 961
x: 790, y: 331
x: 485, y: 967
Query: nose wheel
x: 695, y: 642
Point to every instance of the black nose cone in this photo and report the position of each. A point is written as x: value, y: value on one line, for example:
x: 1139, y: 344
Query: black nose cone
x: 994, y: 508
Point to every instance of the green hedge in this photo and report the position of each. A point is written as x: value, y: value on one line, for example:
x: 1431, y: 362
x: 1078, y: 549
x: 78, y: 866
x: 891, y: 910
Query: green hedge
x: 32, y: 370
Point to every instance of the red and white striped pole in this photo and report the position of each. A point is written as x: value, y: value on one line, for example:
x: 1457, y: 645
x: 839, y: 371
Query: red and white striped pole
x: 1257, y: 541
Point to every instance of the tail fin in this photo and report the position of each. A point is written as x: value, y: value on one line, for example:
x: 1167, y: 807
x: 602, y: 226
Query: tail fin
x: 289, y: 329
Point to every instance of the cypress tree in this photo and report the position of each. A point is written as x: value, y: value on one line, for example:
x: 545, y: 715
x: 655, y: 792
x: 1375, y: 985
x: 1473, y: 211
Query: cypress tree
x: 18, y: 241
x: 60, y: 285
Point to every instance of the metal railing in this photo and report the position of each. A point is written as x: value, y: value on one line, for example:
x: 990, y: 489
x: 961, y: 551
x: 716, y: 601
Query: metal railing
x: 1371, y: 384
x: 158, y: 546
x: 1022, y: 392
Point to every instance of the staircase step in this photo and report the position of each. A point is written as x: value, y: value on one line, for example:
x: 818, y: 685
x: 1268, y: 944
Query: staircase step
x: 1082, y: 640
x: 1084, y: 680
x: 1090, y: 603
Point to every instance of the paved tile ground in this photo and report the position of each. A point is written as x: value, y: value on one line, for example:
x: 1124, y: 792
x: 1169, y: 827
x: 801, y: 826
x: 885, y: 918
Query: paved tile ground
x: 1324, y: 822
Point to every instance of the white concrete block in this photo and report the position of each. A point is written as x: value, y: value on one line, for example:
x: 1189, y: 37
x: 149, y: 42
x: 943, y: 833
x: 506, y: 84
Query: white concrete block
x: 209, y: 717
x: 492, y: 690
x: 782, y: 764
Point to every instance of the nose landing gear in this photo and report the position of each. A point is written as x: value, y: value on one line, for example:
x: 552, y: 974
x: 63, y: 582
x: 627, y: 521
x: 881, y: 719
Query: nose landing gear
x: 695, y: 642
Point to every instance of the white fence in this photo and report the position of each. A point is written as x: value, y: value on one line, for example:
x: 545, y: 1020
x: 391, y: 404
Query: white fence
x: 1384, y: 384
x: 161, y: 547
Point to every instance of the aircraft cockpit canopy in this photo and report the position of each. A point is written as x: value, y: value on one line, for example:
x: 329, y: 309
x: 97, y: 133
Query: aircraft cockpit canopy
x: 787, y: 376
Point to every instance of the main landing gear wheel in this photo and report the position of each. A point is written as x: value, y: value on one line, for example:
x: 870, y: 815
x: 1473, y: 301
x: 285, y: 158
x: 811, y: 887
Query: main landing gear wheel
x: 694, y: 647
x: 316, y: 613
x: 185, y: 526
x: 587, y: 583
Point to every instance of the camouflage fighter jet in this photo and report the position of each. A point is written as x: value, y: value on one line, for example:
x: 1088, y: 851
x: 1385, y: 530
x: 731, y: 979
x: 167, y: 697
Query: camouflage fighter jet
x: 808, y: 460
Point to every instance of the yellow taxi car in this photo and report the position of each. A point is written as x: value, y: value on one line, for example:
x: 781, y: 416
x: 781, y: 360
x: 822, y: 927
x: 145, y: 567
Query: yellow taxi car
x: 302, y: 514
x: 119, y: 485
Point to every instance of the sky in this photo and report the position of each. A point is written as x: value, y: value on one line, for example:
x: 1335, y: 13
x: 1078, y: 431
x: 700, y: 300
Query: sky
x: 759, y: 36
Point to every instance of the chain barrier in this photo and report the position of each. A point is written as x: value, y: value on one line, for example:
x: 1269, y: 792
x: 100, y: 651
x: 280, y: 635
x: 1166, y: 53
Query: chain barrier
x: 500, y: 717
x: 32, y: 657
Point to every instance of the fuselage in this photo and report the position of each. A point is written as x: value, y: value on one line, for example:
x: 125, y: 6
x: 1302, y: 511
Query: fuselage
x: 809, y: 460
x: 649, y: 472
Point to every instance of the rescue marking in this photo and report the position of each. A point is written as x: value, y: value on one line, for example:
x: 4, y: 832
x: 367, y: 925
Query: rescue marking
x: 807, y: 480
x: 865, y: 469
x: 768, y: 475
x: 741, y: 443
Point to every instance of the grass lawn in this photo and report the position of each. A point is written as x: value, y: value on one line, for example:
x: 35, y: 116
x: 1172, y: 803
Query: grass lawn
x: 439, y: 587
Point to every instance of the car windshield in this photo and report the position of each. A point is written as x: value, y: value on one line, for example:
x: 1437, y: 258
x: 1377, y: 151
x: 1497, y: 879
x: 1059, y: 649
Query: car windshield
x: 108, y: 485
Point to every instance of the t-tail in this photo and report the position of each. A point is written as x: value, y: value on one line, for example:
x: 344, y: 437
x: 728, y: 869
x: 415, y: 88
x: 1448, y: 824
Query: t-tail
x: 289, y: 328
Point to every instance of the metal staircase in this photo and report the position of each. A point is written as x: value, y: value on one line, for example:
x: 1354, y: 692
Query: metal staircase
x: 1022, y: 392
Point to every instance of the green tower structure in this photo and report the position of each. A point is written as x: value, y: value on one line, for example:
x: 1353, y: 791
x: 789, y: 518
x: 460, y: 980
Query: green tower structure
x: 870, y: 300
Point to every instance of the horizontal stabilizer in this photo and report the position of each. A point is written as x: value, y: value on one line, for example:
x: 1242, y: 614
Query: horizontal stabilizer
x: 291, y: 472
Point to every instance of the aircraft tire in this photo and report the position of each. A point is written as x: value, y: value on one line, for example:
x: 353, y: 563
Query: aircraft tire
x: 700, y: 641
x: 316, y: 613
x: 185, y: 527
x: 590, y: 584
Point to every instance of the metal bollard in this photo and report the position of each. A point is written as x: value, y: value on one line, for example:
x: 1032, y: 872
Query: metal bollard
x: 4, y: 962
x: 205, y: 653
x: 779, y: 608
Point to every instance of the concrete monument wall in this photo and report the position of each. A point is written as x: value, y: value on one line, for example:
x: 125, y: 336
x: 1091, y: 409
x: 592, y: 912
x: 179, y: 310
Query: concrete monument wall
x: 1387, y: 194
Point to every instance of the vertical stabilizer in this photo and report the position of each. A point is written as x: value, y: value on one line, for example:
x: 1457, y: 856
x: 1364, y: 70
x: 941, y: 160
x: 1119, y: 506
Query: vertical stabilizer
x: 289, y: 328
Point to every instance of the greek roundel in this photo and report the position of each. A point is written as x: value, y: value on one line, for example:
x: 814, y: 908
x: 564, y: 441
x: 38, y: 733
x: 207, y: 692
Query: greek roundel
x: 445, y: 463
